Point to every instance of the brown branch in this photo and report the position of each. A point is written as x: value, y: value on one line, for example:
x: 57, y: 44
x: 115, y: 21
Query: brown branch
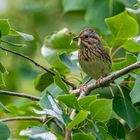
x: 23, y: 95
x: 22, y: 118
x: 104, y: 81
x: 108, y: 79
x: 38, y: 65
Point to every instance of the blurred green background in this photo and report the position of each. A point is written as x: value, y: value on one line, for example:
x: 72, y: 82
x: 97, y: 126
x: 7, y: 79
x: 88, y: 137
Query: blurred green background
x: 40, y: 18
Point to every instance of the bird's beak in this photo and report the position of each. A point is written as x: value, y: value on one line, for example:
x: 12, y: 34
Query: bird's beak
x: 76, y: 39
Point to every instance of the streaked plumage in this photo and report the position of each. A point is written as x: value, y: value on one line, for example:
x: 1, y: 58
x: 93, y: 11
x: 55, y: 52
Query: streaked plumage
x: 93, y: 58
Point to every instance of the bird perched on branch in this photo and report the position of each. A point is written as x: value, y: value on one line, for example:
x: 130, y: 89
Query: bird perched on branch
x: 92, y: 56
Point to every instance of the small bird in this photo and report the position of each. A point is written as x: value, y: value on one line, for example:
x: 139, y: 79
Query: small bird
x: 92, y: 56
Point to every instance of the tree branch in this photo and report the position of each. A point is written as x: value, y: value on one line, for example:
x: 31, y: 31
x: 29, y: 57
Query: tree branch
x: 38, y: 65
x: 23, y: 95
x: 104, y: 81
x: 22, y: 118
x: 108, y: 79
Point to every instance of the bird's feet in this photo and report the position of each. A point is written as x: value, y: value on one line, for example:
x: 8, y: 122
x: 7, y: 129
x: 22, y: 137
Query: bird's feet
x: 84, y: 85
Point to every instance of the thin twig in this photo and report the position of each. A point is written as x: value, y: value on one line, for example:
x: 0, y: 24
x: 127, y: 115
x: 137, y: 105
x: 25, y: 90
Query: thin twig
x: 23, y: 95
x: 22, y: 118
x: 117, y: 49
x: 38, y: 65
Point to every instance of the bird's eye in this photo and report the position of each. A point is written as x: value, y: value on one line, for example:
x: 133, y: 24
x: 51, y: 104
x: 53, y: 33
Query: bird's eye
x: 86, y: 36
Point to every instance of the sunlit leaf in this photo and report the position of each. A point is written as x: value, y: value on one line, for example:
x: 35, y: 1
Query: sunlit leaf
x: 84, y: 102
x: 25, y: 36
x: 38, y: 133
x: 58, y: 81
x: 132, y: 44
x: 121, y: 26
x: 69, y: 100
x: 80, y: 117
x: 101, y: 109
x: 4, y: 27
x: 75, y: 5
x: 81, y: 136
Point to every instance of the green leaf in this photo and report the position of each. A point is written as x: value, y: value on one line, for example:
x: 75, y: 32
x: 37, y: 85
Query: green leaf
x: 61, y: 84
x: 55, y: 90
x: 4, y: 27
x: 84, y: 102
x: 121, y: 26
x: 2, y: 82
x: 135, y: 92
x: 75, y: 5
x: 81, y: 136
x: 50, y: 107
x: 116, y: 129
x: 60, y: 41
x: 38, y: 133
x: 95, y: 15
x: 130, y: 58
x: 4, y: 131
x: 69, y: 100
x: 55, y: 61
x: 13, y: 44
x: 2, y: 68
x: 25, y: 36
x: 80, y: 117
x: 42, y: 81
x: 126, y: 111
x: 66, y: 60
x: 4, y: 108
x: 101, y: 109
x: 132, y: 44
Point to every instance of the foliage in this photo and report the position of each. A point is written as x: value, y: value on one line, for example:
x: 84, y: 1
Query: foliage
x: 98, y: 115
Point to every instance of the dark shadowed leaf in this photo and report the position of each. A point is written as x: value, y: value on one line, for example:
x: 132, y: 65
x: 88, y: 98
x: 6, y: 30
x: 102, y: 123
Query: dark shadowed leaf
x: 4, y: 131
x: 95, y: 15
x: 81, y: 136
x: 101, y: 109
x: 135, y: 92
x: 4, y: 27
x: 2, y: 68
x: 69, y: 100
x: 42, y: 81
x: 80, y: 117
x: 126, y: 111
x: 116, y: 129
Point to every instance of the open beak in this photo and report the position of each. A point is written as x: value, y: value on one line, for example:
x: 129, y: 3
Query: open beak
x: 76, y: 39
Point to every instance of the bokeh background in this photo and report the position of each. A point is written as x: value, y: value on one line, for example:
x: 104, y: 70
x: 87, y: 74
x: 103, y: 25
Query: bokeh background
x: 41, y: 18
